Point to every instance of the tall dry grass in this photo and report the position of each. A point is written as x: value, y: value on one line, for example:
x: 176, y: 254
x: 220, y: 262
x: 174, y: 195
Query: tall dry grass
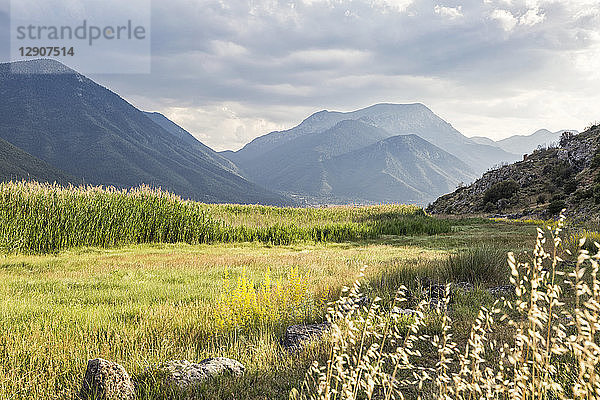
x: 543, y: 344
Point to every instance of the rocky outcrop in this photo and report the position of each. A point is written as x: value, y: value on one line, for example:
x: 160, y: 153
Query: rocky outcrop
x: 185, y: 374
x: 106, y: 380
x: 563, y: 175
x: 297, y: 335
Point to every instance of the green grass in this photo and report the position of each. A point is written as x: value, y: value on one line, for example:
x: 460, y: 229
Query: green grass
x: 146, y: 303
x: 41, y: 218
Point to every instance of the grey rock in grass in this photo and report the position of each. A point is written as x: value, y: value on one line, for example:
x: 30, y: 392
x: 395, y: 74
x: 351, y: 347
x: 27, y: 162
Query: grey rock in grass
x: 404, y: 312
x: 185, y: 374
x: 297, y: 335
x: 106, y: 380
x: 504, y: 290
x: 464, y: 286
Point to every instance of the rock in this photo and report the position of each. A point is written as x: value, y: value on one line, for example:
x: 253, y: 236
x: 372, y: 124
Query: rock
x: 404, y: 312
x: 185, y: 374
x: 504, y: 290
x: 464, y: 286
x: 296, y: 335
x: 106, y: 380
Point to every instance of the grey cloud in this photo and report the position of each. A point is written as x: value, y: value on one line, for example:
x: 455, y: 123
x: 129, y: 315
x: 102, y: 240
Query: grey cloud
x: 275, y: 61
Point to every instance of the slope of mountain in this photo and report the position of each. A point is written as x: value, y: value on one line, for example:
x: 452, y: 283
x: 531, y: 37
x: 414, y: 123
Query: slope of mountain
x: 16, y: 165
x: 181, y: 133
x: 297, y: 166
x: 404, y: 168
x: 524, y: 144
x: 394, y: 119
x: 548, y: 180
x: 88, y: 131
x: 357, y: 162
x: 484, y: 140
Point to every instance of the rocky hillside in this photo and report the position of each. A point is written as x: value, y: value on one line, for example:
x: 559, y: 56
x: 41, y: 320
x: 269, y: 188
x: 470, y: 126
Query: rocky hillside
x: 543, y: 183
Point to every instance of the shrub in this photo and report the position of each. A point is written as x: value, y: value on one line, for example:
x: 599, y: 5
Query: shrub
x: 501, y: 190
x: 570, y: 186
x: 556, y: 206
x: 595, y: 161
x: 596, y: 193
x: 541, y: 199
x: 561, y: 172
x: 245, y: 306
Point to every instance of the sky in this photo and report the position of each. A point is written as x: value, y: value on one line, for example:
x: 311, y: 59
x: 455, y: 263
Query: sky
x: 230, y: 71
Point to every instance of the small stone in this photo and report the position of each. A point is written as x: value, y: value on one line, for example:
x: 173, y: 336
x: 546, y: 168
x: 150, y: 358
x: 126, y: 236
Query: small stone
x: 296, y: 335
x: 503, y: 290
x: 465, y: 286
x: 185, y: 374
x: 106, y: 380
x: 405, y: 312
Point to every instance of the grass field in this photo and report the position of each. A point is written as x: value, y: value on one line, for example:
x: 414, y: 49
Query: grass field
x: 142, y: 277
x: 140, y: 304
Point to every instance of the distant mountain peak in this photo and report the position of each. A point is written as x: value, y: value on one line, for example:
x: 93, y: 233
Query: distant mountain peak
x: 39, y: 66
x: 391, y: 118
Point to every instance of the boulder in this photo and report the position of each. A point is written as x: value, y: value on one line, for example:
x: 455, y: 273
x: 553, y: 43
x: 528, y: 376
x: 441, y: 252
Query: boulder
x: 296, y: 335
x: 106, y: 380
x: 504, y: 290
x: 185, y: 374
x: 404, y: 312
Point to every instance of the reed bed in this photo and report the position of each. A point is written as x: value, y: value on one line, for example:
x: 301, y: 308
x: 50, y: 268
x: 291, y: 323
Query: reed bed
x: 44, y: 218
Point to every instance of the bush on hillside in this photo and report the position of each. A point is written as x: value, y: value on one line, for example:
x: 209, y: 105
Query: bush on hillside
x: 556, y: 205
x: 501, y: 190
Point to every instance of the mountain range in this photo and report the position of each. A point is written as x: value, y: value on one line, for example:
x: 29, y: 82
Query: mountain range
x: 58, y: 125
x: 15, y: 164
x: 89, y: 132
x: 524, y: 144
x: 319, y: 158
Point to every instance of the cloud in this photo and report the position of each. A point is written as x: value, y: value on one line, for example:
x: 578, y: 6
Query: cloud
x: 505, y: 18
x: 532, y: 17
x: 449, y: 12
x: 229, y: 71
x: 392, y: 5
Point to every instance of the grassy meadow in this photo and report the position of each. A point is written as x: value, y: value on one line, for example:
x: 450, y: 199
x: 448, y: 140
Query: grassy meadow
x: 149, y: 278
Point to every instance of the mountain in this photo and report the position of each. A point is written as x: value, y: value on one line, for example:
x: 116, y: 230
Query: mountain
x: 357, y: 162
x: 528, y: 143
x: 17, y: 165
x: 484, y: 140
x: 86, y: 130
x: 306, y: 161
x: 524, y: 144
x: 546, y: 181
x: 394, y: 120
x: 181, y: 133
x: 404, y: 168
x: 298, y: 166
